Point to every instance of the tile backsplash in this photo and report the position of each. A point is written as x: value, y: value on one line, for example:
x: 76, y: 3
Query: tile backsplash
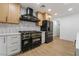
x: 22, y: 26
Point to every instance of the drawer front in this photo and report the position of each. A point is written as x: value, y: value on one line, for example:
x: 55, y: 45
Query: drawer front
x: 2, y: 46
x: 13, y: 39
x: 14, y: 43
x: 13, y: 49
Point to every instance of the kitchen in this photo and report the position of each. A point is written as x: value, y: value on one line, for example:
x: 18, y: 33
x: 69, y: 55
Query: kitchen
x: 38, y: 29
x: 23, y: 29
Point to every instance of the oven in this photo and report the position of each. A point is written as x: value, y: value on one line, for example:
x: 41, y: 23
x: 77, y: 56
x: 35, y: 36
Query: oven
x: 36, y: 35
x: 25, y: 40
x: 36, y: 39
x: 30, y: 39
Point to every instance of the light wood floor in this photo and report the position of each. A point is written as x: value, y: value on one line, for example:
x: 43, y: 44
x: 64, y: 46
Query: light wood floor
x: 55, y: 48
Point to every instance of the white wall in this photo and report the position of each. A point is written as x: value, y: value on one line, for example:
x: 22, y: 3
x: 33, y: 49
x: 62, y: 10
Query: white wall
x: 23, y: 11
x: 56, y: 29
x: 22, y: 26
x: 69, y: 26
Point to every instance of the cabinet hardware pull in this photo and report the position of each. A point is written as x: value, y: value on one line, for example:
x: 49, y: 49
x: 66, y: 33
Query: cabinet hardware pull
x: 14, y: 37
x: 14, y: 43
x: 14, y: 50
x: 4, y: 39
x: 6, y: 18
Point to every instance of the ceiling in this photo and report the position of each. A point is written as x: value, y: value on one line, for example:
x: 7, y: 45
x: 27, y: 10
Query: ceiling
x: 60, y: 8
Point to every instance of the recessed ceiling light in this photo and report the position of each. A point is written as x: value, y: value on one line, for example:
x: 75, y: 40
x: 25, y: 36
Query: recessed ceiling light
x: 56, y: 14
x: 70, y: 9
x: 49, y: 10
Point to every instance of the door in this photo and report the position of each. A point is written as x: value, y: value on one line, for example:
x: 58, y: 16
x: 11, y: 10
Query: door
x: 13, y: 44
x: 51, y: 26
x: 2, y: 46
x: 3, y: 12
x: 14, y: 13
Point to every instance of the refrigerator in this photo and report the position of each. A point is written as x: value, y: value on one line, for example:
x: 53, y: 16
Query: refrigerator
x: 47, y: 26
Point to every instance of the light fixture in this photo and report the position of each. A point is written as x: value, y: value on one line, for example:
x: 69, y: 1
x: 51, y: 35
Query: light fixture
x: 55, y: 14
x: 70, y: 9
x: 49, y: 10
x: 49, y: 16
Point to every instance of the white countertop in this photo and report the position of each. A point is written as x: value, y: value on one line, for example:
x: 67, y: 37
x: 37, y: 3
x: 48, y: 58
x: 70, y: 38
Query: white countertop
x: 8, y: 34
x: 1, y: 34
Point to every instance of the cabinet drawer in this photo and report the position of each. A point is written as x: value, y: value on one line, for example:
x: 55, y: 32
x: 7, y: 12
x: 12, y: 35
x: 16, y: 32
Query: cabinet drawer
x: 2, y: 46
x: 13, y: 49
x: 14, y: 38
x: 13, y: 43
x: 1, y: 37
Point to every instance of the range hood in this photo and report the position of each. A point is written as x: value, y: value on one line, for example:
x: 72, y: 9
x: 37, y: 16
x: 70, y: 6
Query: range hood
x: 29, y: 15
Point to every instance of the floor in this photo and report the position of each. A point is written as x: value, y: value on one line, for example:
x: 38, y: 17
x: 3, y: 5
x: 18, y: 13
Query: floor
x: 55, y: 48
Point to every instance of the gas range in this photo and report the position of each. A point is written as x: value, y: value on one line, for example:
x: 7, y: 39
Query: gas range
x: 30, y: 39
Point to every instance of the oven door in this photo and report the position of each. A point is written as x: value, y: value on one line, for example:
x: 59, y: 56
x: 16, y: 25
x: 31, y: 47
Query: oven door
x: 25, y: 37
x: 36, y: 42
x: 26, y: 45
x: 36, y: 35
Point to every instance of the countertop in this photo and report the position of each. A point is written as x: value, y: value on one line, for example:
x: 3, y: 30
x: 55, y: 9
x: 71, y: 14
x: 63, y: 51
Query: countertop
x: 1, y: 34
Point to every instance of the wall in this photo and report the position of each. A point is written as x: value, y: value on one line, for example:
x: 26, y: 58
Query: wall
x: 23, y: 11
x: 69, y: 26
x: 22, y: 26
x: 56, y: 30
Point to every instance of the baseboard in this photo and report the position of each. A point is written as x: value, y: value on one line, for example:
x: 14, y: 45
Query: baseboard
x: 68, y: 40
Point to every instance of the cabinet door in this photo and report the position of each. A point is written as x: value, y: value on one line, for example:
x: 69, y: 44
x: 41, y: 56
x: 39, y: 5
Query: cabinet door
x: 14, y: 13
x: 13, y: 44
x: 3, y: 12
x: 40, y: 17
x: 2, y: 46
x: 13, y: 40
x: 46, y: 16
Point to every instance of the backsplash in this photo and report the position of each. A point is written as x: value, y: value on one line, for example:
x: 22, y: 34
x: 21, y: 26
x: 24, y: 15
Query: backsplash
x: 22, y: 26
